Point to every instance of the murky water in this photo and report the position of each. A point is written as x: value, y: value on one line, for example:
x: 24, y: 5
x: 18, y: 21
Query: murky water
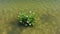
x: 47, y: 19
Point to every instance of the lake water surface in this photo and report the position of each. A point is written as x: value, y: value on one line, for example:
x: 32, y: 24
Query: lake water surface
x: 47, y: 16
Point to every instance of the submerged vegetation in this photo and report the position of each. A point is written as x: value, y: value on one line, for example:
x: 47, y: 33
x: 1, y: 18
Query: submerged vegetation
x: 25, y: 19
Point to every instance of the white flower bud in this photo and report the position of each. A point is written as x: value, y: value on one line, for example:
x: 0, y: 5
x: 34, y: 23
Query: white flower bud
x: 26, y: 16
x: 26, y: 25
x: 21, y: 21
x: 27, y: 21
x: 29, y: 24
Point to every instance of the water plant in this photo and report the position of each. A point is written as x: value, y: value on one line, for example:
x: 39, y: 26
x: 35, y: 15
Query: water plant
x: 26, y: 19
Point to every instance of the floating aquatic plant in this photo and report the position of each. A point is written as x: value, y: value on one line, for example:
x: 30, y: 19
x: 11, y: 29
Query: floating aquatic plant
x: 26, y: 19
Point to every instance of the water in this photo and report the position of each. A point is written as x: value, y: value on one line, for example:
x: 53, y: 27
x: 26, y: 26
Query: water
x: 47, y: 19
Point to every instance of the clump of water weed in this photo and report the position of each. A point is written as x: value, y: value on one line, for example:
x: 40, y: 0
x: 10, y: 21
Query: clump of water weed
x: 26, y: 19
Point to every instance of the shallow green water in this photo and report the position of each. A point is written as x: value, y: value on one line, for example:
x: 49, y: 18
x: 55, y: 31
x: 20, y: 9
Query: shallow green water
x: 47, y: 19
